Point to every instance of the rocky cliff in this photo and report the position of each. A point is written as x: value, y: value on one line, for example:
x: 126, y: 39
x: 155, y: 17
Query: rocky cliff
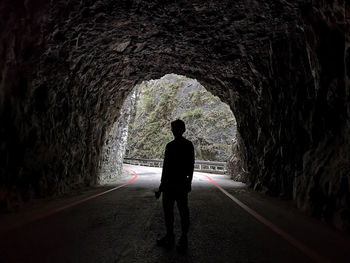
x: 282, y: 67
x: 210, y: 124
x: 114, y: 147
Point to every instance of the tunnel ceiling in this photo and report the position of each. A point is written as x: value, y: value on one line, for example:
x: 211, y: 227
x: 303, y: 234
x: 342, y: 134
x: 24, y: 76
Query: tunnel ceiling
x: 66, y: 67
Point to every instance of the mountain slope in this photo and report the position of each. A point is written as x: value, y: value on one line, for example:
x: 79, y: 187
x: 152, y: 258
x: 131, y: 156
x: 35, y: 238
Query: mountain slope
x: 210, y: 123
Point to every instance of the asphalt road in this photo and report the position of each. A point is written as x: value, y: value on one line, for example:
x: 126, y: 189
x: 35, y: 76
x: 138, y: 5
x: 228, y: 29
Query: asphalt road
x: 122, y: 226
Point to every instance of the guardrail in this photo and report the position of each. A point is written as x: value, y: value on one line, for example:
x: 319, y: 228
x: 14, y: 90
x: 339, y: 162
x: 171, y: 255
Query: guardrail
x: 204, y: 166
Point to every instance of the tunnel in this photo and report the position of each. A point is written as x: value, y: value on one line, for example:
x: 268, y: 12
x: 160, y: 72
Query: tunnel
x: 283, y: 67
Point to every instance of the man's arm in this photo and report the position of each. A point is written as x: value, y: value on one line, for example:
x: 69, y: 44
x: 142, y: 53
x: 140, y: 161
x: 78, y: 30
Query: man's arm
x: 162, y: 180
x: 190, y: 167
x: 165, y: 169
x: 191, y: 163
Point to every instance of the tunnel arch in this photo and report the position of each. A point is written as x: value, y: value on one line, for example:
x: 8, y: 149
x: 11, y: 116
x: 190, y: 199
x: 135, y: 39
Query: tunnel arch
x: 68, y: 63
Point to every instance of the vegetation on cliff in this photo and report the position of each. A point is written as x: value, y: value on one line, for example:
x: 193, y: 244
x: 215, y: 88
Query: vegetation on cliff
x: 210, y: 123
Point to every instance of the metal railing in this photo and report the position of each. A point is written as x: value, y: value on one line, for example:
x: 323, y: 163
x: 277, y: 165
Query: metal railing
x: 204, y: 166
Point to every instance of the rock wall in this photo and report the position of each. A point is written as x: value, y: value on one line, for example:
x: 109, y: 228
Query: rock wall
x: 116, y: 142
x: 322, y: 186
x: 237, y: 163
x: 282, y: 66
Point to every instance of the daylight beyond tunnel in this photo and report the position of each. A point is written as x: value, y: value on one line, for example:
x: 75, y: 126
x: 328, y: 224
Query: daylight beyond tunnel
x: 282, y: 67
x: 143, y: 128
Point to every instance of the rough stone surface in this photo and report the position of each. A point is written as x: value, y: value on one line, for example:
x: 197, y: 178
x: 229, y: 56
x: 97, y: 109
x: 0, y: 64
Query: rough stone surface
x: 237, y: 163
x: 116, y: 142
x: 282, y: 66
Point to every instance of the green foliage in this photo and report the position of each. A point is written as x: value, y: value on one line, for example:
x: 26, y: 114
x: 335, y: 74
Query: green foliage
x: 209, y: 123
x: 192, y: 114
x: 153, y: 133
x: 200, y: 97
x: 147, y: 103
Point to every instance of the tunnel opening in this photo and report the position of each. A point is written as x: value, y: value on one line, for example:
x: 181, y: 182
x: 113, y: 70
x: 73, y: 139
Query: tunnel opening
x: 67, y: 64
x: 143, y: 127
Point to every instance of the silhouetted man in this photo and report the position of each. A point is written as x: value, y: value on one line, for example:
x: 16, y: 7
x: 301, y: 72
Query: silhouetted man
x: 176, y: 184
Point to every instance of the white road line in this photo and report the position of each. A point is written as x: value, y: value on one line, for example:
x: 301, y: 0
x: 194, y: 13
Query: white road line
x: 54, y: 211
x: 306, y: 250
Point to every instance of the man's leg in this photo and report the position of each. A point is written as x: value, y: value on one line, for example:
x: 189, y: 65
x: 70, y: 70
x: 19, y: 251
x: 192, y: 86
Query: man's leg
x: 182, y: 204
x: 168, y: 207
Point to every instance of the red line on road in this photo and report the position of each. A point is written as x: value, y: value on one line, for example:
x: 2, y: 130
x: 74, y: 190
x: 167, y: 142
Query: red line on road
x: 37, y: 217
x: 94, y: 196
x: 306, y: 250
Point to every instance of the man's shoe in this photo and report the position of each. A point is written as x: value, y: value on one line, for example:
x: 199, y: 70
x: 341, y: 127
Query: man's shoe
x: 166, y: 241
x: 182, y: 245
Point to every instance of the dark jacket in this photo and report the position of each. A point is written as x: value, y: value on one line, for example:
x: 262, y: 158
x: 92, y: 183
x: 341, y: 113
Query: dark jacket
x: 178, y: 166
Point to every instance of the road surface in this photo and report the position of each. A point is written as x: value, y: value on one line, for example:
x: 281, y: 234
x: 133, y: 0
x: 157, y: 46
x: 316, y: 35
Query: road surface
x: 122, y: 226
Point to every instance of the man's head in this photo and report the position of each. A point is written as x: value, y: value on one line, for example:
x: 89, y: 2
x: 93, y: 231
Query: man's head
x: 178, y: 128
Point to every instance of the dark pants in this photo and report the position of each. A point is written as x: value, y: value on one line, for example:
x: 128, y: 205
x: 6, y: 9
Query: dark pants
x: 181, y: 198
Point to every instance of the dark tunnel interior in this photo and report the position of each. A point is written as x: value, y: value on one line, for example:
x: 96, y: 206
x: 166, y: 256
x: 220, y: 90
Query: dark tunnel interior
x: 283, y: 67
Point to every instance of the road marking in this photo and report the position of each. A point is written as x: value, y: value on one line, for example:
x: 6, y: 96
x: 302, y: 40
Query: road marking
x: 57, y: 210
x: 94, y: 196
x: 306, y: 250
